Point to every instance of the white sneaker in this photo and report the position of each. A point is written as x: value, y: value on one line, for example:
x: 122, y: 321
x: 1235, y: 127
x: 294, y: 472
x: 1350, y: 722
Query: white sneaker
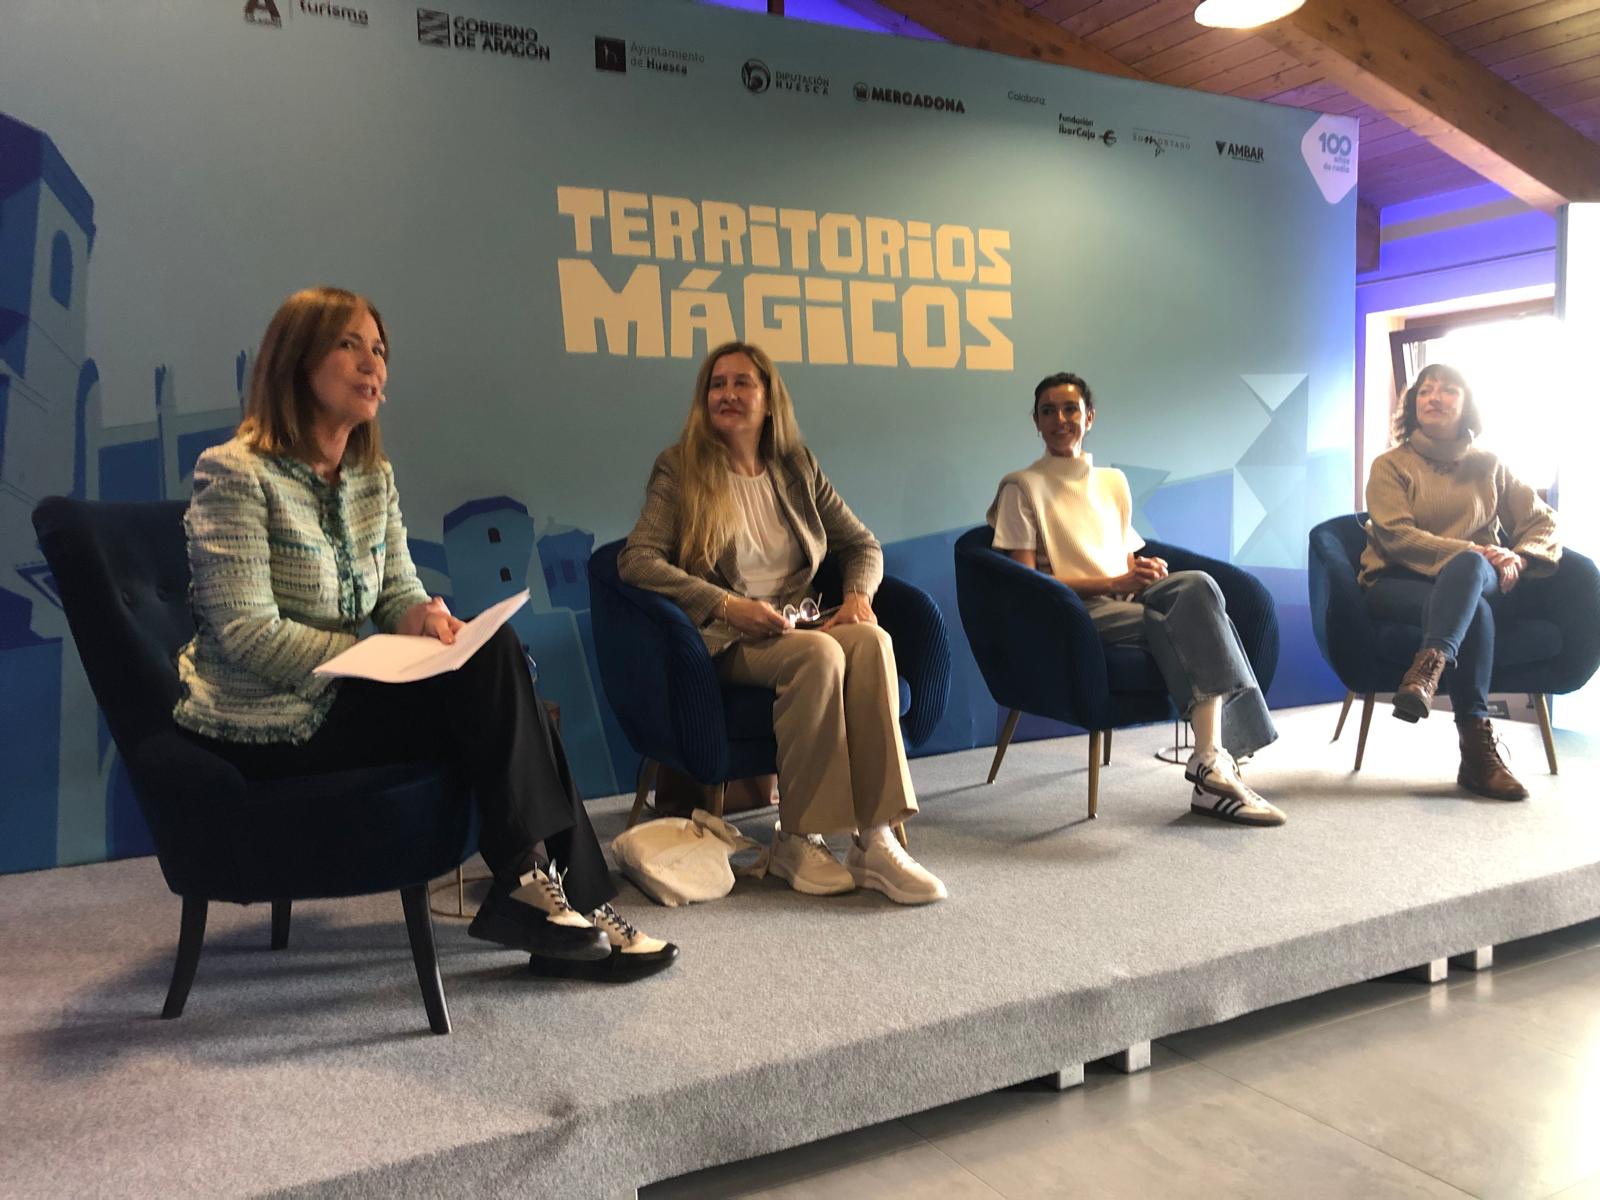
x: 878, y: 861
x: 1220, y: 792
x: 807, y: 863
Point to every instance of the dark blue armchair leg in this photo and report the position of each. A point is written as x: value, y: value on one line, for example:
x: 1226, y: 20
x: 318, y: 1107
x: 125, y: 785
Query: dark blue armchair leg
x: 1343, y: 713
x: 419, y: 925
x: 191, y: 932
x: 280, y: 923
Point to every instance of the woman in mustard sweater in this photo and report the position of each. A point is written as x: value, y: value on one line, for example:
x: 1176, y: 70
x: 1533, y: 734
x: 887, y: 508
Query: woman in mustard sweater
x: 1450, y: 533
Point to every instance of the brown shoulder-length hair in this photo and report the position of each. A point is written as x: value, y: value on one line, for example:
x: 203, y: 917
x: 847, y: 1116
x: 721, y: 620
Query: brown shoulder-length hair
x: 280, y: 405
x: 1405, y: 421
x: 706, y: 519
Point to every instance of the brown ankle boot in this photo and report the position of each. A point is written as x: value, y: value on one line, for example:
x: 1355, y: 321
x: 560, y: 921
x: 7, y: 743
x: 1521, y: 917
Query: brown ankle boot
x: 1415, y: 695
x: 1481, y: 769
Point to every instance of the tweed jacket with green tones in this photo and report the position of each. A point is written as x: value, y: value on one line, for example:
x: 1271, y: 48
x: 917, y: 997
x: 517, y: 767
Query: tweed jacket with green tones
x: 820, y: 520
x: 1429, y: 500
x: 285, y: 568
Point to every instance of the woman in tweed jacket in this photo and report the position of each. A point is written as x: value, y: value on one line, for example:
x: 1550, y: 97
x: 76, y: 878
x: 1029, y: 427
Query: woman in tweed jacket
x: 1441, y: 512
x: 737, y: 518
x: 295, y: 541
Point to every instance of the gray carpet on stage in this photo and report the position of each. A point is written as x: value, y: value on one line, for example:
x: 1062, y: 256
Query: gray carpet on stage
x: 310, y: 1071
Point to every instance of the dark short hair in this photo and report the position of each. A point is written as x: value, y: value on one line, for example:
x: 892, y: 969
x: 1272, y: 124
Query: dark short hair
x: 1064, y: 379
x: 1405, y: 421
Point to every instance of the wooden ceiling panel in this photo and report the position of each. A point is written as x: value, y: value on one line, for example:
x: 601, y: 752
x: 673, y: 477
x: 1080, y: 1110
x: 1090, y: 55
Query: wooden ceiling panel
x: 1506, y: 24
x: 1173, y: 34
x: 1272, y: 62
x: 1145, y: 20
x: 1538, y: 62
x: 1547, y: 50
x: 1236, y: 53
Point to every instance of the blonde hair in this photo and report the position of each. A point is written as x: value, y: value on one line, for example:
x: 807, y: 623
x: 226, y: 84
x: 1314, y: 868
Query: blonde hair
x: 707, y: 517
x: 281, y: 405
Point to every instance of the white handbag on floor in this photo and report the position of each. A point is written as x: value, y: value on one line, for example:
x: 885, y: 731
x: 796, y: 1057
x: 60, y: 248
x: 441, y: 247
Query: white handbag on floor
x: 681, y: 860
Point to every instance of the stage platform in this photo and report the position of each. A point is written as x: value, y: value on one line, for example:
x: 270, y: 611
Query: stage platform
x: 310, y: 1071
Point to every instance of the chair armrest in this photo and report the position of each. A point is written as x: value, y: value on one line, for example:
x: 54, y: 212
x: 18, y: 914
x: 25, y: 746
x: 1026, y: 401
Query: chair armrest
x: 1032, y: 638
x: 921, y: 651
x: 658, y: 678
x: 1570, y: 598
x: 1249, y: 604
x: 1339, y: 617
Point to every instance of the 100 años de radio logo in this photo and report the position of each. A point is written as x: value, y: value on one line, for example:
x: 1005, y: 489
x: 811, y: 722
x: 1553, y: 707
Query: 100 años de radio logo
x: 807, y: 286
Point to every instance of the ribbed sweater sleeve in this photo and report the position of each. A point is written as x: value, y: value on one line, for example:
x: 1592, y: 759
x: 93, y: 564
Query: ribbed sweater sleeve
x: 1529, y: 522
x: 1393, y: 528
x: 232, y: 584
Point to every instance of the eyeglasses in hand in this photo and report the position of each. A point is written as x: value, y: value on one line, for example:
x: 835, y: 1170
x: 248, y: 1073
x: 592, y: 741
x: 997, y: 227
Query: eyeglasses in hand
x: 809, y: 612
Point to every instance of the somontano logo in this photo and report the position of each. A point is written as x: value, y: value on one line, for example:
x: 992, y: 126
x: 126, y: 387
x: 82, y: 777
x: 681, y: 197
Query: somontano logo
x: 1241, y: 152
x: 1160, y: 141
x: 436, y: 27
x: 883, y: 95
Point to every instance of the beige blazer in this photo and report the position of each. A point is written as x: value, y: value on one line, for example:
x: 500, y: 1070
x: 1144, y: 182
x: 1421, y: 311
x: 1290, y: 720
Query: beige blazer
x: 820, y: 520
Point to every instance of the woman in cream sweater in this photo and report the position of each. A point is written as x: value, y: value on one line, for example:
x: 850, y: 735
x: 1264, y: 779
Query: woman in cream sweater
x: 1442, y: 512
x: 1072, y: 520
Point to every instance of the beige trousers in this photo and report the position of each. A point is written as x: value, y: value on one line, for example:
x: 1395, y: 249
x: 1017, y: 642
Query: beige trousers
x: 841, y: 764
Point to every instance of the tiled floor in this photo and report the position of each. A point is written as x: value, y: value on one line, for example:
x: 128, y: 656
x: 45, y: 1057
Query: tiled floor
x: 1486, y: 1085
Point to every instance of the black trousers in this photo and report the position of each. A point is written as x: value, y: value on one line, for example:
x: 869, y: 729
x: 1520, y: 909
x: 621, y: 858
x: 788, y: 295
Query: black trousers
x: 486, y: 719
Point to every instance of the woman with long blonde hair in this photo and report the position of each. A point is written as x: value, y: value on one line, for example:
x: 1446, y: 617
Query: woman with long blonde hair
x: 737, y: 518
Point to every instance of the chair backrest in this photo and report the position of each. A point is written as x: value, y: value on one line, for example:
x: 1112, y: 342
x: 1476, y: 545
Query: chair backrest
x: 122, y: 572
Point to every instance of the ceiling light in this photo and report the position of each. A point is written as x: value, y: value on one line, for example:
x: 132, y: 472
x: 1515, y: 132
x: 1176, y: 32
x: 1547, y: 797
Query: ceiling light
x: 1243, y: 14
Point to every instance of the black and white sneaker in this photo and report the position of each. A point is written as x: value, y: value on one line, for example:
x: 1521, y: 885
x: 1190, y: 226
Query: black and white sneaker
x: 536, y: 918
x: 1219, y: 791
x: 634, y: 953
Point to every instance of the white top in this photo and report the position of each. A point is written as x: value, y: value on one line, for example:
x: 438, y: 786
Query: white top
x: 765, y: 548
x: 1077, y: 518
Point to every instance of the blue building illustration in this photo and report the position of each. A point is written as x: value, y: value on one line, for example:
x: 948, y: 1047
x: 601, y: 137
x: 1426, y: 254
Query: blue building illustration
x: 490, y: 544
x: 63, y: 795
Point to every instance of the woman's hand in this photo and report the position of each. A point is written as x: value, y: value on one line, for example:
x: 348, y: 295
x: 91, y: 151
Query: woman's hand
x: 1508, y: 564
x: 856, y: 610
x: 430, y: 619
x: 755, y: 618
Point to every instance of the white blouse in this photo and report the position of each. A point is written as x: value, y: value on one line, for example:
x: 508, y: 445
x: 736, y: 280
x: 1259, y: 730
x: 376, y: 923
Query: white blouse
x: 765, y: 548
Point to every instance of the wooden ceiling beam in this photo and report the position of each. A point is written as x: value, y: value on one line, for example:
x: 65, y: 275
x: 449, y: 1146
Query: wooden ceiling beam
x: 1413, y: 76
x: 1006, y: 27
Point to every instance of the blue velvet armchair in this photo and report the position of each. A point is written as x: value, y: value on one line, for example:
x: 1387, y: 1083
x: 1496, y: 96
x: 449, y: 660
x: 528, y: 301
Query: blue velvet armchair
x: 660, y: 681
x: 1039, y: 653
x: 1548, y: 643
x: 122, y: 572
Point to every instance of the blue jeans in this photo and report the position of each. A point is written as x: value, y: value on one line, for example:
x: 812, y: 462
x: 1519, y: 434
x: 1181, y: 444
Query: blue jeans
x: 1456, y: 610
x: 1182, y: 621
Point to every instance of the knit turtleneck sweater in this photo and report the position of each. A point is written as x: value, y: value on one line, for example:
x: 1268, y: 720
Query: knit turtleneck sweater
x: 1080, y: 515
x: 1429, y: 500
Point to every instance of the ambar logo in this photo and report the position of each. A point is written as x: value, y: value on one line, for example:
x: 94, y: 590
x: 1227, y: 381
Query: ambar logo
x: 1241, y: 152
